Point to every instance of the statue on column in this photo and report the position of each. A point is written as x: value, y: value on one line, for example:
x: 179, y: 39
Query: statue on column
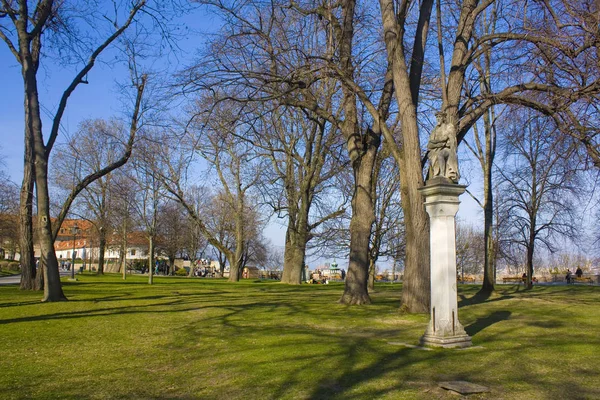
x: 442, y: 148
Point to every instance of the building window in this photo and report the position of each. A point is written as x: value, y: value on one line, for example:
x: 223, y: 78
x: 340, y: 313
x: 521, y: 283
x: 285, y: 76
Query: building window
x: 133, y: 252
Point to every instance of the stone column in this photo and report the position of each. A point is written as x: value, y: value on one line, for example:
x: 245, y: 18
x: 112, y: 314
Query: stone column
x: 441, y: 203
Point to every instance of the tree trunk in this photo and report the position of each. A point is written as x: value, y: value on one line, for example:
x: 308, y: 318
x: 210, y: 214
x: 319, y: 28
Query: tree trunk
x: 52, y: 286
x: 287, y: 255
x: 150, y: 260
x: 416, y: 284
x: 235, y: 264
x: 27, y: 260
x: 236, y: 261
x: 363, y: 216
x: 234, y: 270
x: 488, y: 234
x: 101, y: 250
x: 171, y: 265
x: 530, y: 250
x: 371, y: 286
x: 123, y: 260
x: 295, y: 252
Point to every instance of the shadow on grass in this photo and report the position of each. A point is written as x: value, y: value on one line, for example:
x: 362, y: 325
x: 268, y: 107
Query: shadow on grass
x: 278, y: 345
x: 482, y: 323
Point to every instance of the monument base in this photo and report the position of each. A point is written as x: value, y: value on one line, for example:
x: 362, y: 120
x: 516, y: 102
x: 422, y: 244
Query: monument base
x: 446, y: 342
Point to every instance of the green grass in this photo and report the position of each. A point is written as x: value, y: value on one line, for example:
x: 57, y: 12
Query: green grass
x: 208, y: 339
x: 8, y: 273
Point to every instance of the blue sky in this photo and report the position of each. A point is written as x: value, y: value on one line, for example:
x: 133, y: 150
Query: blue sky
x: 98, y: 99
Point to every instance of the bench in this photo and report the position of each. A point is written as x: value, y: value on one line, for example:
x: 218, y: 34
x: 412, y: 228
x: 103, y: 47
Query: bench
x: 583, y: 279
x: 517, y: 279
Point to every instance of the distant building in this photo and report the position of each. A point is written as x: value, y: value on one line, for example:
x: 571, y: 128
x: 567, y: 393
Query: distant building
x: 251, y: 272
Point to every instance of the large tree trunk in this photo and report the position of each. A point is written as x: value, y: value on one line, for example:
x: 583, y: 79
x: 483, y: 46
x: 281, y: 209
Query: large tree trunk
x: 295, y: 252
x: 52, y: 286
x: 288, y: 260
x: 363, y: 216
x: 235, y: 263
x: 416, y: 284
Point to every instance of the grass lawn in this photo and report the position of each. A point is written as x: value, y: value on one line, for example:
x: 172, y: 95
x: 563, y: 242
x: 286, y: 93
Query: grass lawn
x: 208, y: 339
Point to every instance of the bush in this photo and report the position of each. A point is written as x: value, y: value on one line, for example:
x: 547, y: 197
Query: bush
x: 14, y: 266
x: 181, y: 272
x: 9, y: 265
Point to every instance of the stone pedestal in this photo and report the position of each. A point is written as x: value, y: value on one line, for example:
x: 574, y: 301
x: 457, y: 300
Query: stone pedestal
x: 441, y: 203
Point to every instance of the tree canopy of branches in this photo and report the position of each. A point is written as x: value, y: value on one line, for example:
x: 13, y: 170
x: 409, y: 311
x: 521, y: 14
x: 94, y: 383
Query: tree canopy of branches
x: 540, y: 182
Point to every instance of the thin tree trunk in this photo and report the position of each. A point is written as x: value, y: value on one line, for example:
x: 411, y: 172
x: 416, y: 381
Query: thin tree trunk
x: 530, y: 250
x: 150, y: 260
x: 101, y: 250
x: 371, y: 286
x: 488, y: 234
x: 124, y: 252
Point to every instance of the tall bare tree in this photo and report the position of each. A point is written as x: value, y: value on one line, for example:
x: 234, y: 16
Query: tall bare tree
x: 97, y: 146
x: 386, y: 238
x: 303, y: 151
x: 302, y: 45
x: 23, y: 29
x: 541, y: 187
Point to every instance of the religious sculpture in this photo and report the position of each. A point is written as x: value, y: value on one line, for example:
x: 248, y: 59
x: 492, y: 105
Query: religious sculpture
x: 442, y: 147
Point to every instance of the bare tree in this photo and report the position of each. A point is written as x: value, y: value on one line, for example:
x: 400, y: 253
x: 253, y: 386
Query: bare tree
x: 386, y: 238
x: 171, y: 234
x: 234, y: 162
x: 470, y: 254
x: 194, y: 243
x: 150, y: 194
x: 9, y: 210
x: 23, y: 31
x: 303, y: 45
x: 96, y: 145
x: 541, y: 186
x: 303, y: 151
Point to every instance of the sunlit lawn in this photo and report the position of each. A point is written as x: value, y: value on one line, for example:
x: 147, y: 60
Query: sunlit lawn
x: 208, y: 339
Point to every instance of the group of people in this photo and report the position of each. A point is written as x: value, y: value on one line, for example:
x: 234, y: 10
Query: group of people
x: 65, y: 265
x: 569, y: 277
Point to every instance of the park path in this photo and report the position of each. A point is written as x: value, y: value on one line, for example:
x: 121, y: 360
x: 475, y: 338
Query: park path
x: 16, y: 279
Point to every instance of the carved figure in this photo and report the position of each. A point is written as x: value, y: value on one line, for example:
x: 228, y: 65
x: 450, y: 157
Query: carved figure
x: 442, y: 147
